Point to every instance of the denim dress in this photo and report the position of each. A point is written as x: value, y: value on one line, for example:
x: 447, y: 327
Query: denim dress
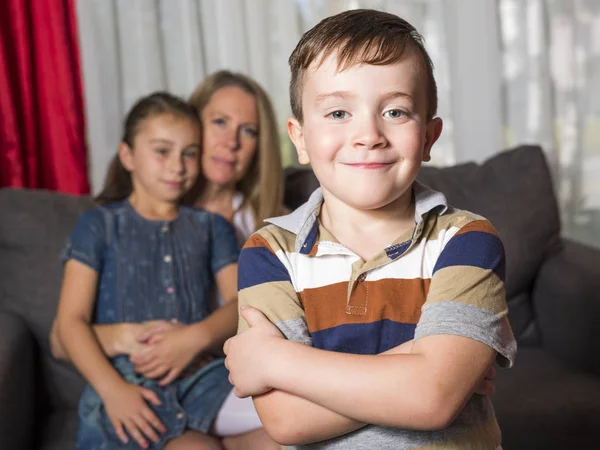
x: 149, y: 270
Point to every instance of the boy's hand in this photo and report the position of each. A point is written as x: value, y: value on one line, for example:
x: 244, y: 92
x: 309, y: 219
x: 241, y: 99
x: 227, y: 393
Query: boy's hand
x: 167, y: 354
x: 486, y: 385
x: 127, y: 408
x: 248, y: 354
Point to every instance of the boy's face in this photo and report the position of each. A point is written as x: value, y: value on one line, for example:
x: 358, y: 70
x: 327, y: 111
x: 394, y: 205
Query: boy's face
x: 365, y: 130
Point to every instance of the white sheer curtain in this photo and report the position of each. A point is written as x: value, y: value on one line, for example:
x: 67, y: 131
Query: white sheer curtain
x: 508, y: 71
x: 133, y: 47
x: 552, y: 80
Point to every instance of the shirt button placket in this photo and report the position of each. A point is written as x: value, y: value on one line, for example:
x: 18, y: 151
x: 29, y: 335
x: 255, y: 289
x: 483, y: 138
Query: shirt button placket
x: 168, y: 271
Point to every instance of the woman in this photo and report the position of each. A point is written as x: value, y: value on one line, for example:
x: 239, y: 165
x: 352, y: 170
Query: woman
x: 241, y: 152
x: 242, y: 182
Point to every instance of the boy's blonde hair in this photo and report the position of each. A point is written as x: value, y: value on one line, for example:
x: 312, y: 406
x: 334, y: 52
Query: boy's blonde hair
x: 262, y: 184
x: 361, y: 36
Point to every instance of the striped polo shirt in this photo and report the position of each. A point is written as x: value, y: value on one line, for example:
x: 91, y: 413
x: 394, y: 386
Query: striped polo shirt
x: 445, y: 276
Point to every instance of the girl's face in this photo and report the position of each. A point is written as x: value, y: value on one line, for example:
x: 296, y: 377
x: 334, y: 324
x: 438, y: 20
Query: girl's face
x: 164, y: 160
x: 230, y: 123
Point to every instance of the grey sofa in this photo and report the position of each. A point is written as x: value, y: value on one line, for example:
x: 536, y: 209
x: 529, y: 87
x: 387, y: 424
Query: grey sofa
x: 549, y: 400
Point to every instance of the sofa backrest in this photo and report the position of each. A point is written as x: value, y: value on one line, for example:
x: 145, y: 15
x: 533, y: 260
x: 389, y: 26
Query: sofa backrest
x: 514, y: 191
x: 33, y: 231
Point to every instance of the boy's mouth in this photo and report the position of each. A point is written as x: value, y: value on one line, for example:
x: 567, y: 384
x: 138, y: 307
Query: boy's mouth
x: 371, y: 165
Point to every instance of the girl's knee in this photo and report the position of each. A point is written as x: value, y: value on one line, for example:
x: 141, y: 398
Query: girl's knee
x: 257, y: 439
x: 193, y: 440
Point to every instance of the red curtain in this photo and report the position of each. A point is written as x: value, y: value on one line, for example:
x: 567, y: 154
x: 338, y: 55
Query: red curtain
x: 42, y: 129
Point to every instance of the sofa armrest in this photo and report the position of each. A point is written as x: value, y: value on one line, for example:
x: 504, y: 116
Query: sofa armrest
x: 566, y: 299
x: 17, y: 383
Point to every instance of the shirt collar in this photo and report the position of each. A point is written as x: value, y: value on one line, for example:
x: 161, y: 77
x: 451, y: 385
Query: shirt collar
x: 303, y: 222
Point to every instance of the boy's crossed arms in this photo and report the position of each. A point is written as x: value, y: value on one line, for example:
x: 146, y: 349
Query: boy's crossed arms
x: 304, y: 394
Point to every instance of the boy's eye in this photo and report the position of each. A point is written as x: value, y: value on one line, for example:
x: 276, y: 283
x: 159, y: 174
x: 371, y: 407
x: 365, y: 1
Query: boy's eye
x: 339, y: 115
x: 394, y: 114
x: 219, y: 122
x: 162, y: 151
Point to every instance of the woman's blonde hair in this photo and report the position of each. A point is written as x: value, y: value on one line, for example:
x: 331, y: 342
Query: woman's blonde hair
x: 262, y: 185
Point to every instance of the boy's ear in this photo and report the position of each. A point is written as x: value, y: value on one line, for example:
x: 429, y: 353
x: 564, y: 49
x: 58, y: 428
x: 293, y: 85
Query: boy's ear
x: 126, y: 157
x: 296, y: 134
x: 434, y: 129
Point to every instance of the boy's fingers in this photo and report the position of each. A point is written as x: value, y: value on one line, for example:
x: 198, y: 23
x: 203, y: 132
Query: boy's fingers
x: 491, y: 374
x: 226, y: 346
x: 253, y: 316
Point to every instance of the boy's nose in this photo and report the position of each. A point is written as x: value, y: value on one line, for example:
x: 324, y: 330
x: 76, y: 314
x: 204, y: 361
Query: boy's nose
x: 369, y: 135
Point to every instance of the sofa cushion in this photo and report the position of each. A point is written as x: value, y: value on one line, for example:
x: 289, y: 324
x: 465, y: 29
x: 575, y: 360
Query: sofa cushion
x: 544, y: 404
x: 59, y: 431
x: 33, y: 230
x: 513, y: 190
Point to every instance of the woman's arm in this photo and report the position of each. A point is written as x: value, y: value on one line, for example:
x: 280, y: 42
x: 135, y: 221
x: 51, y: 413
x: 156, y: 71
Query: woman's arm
x: 114, y: 339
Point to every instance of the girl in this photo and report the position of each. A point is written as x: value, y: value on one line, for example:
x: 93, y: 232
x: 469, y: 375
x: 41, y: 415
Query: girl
x: 140, y: 257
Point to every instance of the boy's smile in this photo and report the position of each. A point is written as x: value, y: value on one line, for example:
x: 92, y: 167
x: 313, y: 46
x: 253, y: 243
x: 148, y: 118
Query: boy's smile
x: 365, y: 130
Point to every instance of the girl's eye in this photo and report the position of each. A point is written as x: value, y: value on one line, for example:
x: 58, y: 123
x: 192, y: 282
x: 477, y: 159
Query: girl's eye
x: 339, y: 115
x: 193, y: 154
x: 394, y: 114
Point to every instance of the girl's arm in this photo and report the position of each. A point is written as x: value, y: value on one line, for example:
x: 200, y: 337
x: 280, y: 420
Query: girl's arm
x: 222, y: 323
x: 125, y: 403
x: 74, y: 330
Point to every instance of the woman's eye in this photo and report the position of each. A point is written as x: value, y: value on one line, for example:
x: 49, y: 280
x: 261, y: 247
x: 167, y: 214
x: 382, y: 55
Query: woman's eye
x: 339, y: 115
x: 394, y: 113
x: 250, y: 132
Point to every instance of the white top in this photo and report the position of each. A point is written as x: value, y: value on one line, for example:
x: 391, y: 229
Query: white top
x: 243, y: 220
x: 243, y: 223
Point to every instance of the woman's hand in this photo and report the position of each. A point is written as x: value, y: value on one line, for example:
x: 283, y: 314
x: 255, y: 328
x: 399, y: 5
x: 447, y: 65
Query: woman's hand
x: 131, y: 338
x: 127, y: 408
x: 166, y: 354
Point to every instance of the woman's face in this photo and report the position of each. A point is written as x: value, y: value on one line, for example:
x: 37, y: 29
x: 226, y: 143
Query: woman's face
x: 230, y: 135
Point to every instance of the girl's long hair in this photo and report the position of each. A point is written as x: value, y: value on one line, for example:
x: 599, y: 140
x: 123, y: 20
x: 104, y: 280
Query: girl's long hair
x: 118, y: 185
x: 262, y: 185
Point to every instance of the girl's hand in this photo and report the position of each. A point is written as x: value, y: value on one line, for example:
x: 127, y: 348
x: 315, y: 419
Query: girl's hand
x: 167, y: 354
x: 127, y: 408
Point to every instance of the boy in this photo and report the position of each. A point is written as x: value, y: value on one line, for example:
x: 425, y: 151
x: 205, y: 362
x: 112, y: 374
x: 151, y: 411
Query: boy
x: 398, y: 298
